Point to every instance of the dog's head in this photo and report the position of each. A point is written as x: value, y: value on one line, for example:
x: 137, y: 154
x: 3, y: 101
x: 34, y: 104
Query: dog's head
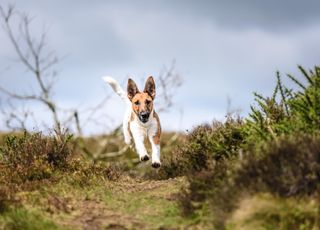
x: 142, y: 102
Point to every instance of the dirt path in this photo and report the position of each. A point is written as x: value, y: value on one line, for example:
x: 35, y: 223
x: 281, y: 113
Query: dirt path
x: 129, y: 204
x: 94, y: 215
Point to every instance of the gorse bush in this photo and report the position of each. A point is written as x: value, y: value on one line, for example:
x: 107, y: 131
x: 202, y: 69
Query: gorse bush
x: 287, y: 111
x: 33, y: 156
x: 305, y: 104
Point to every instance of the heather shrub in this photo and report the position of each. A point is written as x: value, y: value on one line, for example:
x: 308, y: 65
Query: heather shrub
x: 208, y: 158
x: 34, y: 156
x: 204, y: 146
x: 207, y: 187
x: 288, y: 166
x: 85, y: 173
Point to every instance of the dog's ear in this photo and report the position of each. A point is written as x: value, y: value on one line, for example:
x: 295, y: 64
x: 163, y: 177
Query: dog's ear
x: 132, y: 89
x: 150, y: 87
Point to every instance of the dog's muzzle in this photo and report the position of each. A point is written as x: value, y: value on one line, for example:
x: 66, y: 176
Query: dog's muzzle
x: 144, y: 116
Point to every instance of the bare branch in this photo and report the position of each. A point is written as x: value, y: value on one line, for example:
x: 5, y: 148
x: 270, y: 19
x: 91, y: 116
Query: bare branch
x: 93, y: 110
x: 7, y: 16
x: 49, y: 63
x: 15, y: 118
x: 31, y: 54
x: 17, y: 96
x: 168, y: 81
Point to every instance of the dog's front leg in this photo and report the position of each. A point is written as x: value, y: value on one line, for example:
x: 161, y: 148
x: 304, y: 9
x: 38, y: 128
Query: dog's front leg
x: 126, y: 133
x: 154, y: 139
x: 138, y: 137
x: 125, y: 126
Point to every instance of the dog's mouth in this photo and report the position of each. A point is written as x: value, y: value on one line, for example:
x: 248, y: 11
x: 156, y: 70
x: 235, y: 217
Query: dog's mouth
x: 144, y: 117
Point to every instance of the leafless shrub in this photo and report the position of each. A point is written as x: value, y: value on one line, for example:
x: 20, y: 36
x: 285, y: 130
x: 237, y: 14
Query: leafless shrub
x: 33, y: 54
x: 168, y: 81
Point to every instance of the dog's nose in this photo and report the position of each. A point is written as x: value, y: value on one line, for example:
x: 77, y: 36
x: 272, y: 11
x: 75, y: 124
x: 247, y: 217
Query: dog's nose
x: 145, y: 115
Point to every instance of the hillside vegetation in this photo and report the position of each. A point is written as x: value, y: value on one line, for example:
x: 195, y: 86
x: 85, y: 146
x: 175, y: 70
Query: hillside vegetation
x: 259, y: 172
x: 262, y: 171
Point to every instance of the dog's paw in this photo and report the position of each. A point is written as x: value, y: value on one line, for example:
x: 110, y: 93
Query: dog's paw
x: 156, y: 164
x: 144, y: 158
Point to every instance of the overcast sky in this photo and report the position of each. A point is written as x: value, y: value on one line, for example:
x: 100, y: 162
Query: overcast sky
x: 223, y: 49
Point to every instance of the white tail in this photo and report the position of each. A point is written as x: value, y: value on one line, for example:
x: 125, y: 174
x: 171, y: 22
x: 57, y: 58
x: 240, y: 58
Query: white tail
x: 116, y: 88
x: 127, y: 115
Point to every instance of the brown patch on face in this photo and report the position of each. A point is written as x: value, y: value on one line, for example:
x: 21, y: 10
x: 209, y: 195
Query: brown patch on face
x: 142, y: 102
x: 156, y: 137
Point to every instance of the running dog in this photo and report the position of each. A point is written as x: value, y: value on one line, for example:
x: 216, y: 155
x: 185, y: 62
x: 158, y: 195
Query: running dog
x: 140, y: 120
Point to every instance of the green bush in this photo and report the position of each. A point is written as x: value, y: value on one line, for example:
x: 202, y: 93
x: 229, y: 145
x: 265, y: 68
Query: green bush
x: 275, y: 150
x: 203, y: 147
x: 209, y: 186
x: 34, y: 156
x: 207, y: 158
x: 288, y: 166
x: 287, y: 110
x: 85, y: 173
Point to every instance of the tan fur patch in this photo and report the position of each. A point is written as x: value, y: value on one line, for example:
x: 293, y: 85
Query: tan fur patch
x: 142, y: 102
x: 156, y: 137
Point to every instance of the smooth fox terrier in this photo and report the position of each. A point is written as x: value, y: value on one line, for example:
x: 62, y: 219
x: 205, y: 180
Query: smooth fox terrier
x: 140, y: 120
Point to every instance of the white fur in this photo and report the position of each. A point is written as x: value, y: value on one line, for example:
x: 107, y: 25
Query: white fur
x: 138, y: 129
x: 117, y: 88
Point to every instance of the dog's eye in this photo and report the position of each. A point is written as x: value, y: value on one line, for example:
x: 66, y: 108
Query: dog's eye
x: 137, y: 102
x: 148, y: 102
